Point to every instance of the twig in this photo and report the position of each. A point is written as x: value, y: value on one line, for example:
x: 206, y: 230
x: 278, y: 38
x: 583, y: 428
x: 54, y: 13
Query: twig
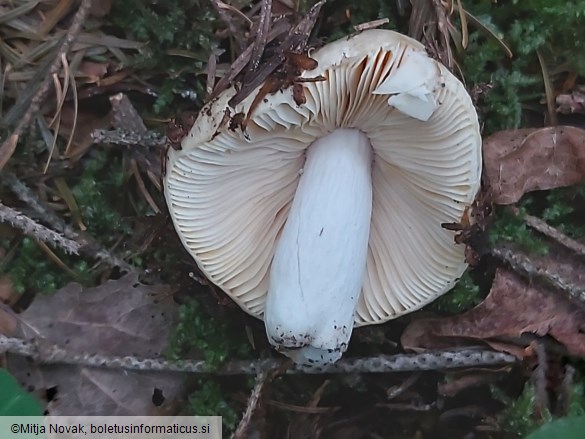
x: 280, y: 27
x: 296, y: 41
x: 523, y: 265
x: 539, y: 377
x: 222, y: 10
x: 44, y: 353
x: 86, y: 244
x: 551, y: 232
x: 121, y: 137
x: 566, y: 391
x: 26, y: 195
x: 242, y: 429
x: 395, y: 391
x: 264, y: 24
x: 9, y: 145
x: 371, y: 24
x: 37, y: 231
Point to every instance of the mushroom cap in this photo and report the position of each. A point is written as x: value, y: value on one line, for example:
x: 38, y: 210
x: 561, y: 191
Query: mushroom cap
x: 229, y: 192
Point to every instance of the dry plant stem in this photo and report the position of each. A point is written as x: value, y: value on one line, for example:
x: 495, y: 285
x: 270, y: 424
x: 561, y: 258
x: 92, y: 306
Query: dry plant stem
x: 552, y: 233
x: 540, y: 381
x: 86, y: 245
x: 225, y: 16
x: 27, y: 196
x: 524, y: 266
x: 396, y: 391
x: 129, y: 138
x: 261, y: 36
x: 280, y: 27
x: 566, y: 391
x: 8, y: 146
x: 43, y: 353
x: 242, y: 429
x: 37, y: 231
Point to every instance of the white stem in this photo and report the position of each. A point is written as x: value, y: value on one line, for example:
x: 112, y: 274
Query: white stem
x: 318, y: 268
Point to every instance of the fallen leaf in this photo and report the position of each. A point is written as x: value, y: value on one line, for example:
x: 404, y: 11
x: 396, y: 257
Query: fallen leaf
x: 458, y: 383
x: 525, y: 160
x: 511, y: 309
x: 100, y: 8
x: 118, y: 318
x: 86, y: 123
x: 571, y: 103
x: 93, y: 71
x: 8, y: 294
x: 8, y: 322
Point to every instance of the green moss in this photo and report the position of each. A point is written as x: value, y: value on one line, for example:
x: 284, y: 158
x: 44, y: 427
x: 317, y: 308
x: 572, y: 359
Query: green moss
x: 518, y: 417
x: 179, y: 38
x: 521, y: 417
x: 32, y: 270
x: 215, y: 340
x: 552, y: 27
x: 352, y: 13
x: 510, y: 228
x: 577, y: 400
x: 564, y: 209
x: 99, y: 193
x: 209, y: 400
x: 464, y: 296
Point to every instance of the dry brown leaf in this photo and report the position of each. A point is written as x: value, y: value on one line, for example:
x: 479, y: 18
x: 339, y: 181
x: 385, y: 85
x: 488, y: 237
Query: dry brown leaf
x: 93, y: 71
x: 8, y: 294
x: 100, y: 8
x: 8, y: 321
x: 118, y: 318
x: 461, y: 382
x: 511, y: 309
x: 571, y: 102
x: 525, y: 160
x: 87, y: 122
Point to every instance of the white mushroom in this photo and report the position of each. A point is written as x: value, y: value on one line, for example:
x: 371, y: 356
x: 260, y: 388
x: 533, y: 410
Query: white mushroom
x: 327, y: 215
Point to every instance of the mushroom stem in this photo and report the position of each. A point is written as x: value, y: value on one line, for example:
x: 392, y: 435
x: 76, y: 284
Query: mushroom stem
x: 320, y: 259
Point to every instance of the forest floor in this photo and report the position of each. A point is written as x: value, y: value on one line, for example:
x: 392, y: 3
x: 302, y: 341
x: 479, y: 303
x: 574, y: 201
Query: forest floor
x: 98, y: 295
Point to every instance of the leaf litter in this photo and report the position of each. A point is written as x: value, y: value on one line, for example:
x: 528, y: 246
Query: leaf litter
x: 117, y: 318
x: 526, y: 297
x: 113, y: 319
x: 520, y: 161
x: 511, y: 309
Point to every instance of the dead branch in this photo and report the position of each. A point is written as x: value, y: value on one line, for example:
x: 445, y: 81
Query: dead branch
x: 85, y: 245
x: 27, y: 196
x: 129, y: 138
x: 539, y: 378
x: 42, y: 352
x: 227, y: 14
x: 566, y: 391
x: 40, y: 92
x: 552, y: 233
x: 524, y: 266
x: 37, y: 231
x: 242, y: 429
x: 296, y: 41
x: 280, y: 27
x: 259, y: 44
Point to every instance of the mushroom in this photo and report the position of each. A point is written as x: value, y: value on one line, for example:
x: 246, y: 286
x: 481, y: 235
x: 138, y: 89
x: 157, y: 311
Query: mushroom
x: 327, y: 215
